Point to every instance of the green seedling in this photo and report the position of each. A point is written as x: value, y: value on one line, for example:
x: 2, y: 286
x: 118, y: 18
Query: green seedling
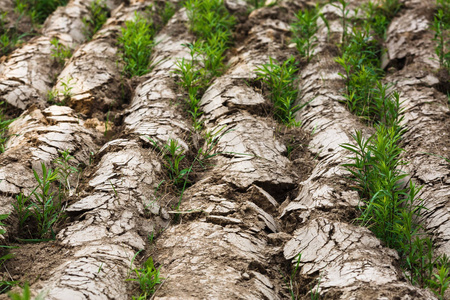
x: 208, y: 18
x: 9, y: 36
x: 65, y: 171
x: 292, y: 277
x: 3, y: 128
x: 26, y: 294
x: 441, y: 37
x: 342, y: 6
x: 279, y: 78
x: 441, y: 280
x: 211, y: 22
x: 168, y: 12
x: 38, y: 10
x: 60, y: 52
x: 22, y: 208
x: 46, y: 211
x: 148, y: 278
x: 98, y: 13
x: 136, y: 44
x: 67, y: 91
x: 304, y: 30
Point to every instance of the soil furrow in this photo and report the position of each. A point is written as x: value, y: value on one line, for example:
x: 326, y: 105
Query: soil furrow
x: 229, y: 217
x: 153, y: 112
x: 427, y: 120
x: 118, y: 208
x: 29, y: 72
x: 347, y: 260
x: 94, y: 73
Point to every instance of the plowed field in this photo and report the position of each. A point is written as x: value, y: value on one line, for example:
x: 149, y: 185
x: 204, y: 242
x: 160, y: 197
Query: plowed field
x: 251, y: 193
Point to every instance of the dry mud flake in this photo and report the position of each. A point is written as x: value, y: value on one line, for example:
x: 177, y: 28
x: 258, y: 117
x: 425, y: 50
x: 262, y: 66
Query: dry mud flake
x: 37, y: 136
x: 348, y: 260
x: 29, y: 72
x: 94, y: 71
x: 223, y: 241
x: 152, y: 112
x: 427, y: 120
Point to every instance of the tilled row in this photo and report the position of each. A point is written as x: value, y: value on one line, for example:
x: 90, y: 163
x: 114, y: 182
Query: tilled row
x: 111, y: 216
x: 348, y: 261
x: 29, y: 72
x: 224, y: 241
x: 426, y: 117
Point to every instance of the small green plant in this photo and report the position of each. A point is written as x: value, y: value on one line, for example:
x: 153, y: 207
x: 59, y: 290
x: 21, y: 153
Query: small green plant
x: 66, y: 91
x: 212, y: 24
x: 26, y: 294
x: 279, y: 78
x: 60, y: 52
x: 441, y: 37
x: 173, y: 157
x: 136, y: 44
x: 148, y: 278
x: 65, y: 171
x: 9, y: 36
x: 441, y: 280
x: 292, y: 277
x: 3, y: 128
x: 98, y: 13
x: 168, y: 12
x: 304, y: 30
x: 38, y: 10
x: 46, y: 210
x: 42, y: 209
x: 342, y: 6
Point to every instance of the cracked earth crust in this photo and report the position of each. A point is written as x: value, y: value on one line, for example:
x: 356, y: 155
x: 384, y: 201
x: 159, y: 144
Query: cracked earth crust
x: 244, y: 217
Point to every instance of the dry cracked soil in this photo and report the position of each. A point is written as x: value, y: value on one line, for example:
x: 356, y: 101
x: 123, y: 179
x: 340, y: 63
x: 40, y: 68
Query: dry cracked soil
x: 272, y: 193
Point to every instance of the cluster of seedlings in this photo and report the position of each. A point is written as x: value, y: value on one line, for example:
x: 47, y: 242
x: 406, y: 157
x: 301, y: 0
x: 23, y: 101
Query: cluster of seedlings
x: 389, y: 205
x: 41, y: 210
x: 211, y: 22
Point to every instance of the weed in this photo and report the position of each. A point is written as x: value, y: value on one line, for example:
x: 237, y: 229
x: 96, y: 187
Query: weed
x: 60, y: 52
x: 315, y: 295
x: 173, y: 156
x: 279, y: 78
x: 147, y: 277
x: 208, y: 18
x: 256, y: 3
x: 98, y: 13
x: 292, y: 277
x: 65, y: 171
x: 46, y: 211
x: 38, y: 10
x: 444, y: 5
x: 441, y: 37
x: 3, y: 129
x: 304, y: 30
x: 380, y: 14
x: 212, y: 24
x: 342, y: 6
x: 66, y: 92
x: 26, y: 294
x: 42, y: 208
x: 9, y: 37
x: 136, y: 44
x: 441, y: 279
x: 168, y: 12
x: 22, y: 208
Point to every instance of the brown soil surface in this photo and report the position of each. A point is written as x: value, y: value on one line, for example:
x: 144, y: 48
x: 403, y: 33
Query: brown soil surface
x: 270, y: 192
